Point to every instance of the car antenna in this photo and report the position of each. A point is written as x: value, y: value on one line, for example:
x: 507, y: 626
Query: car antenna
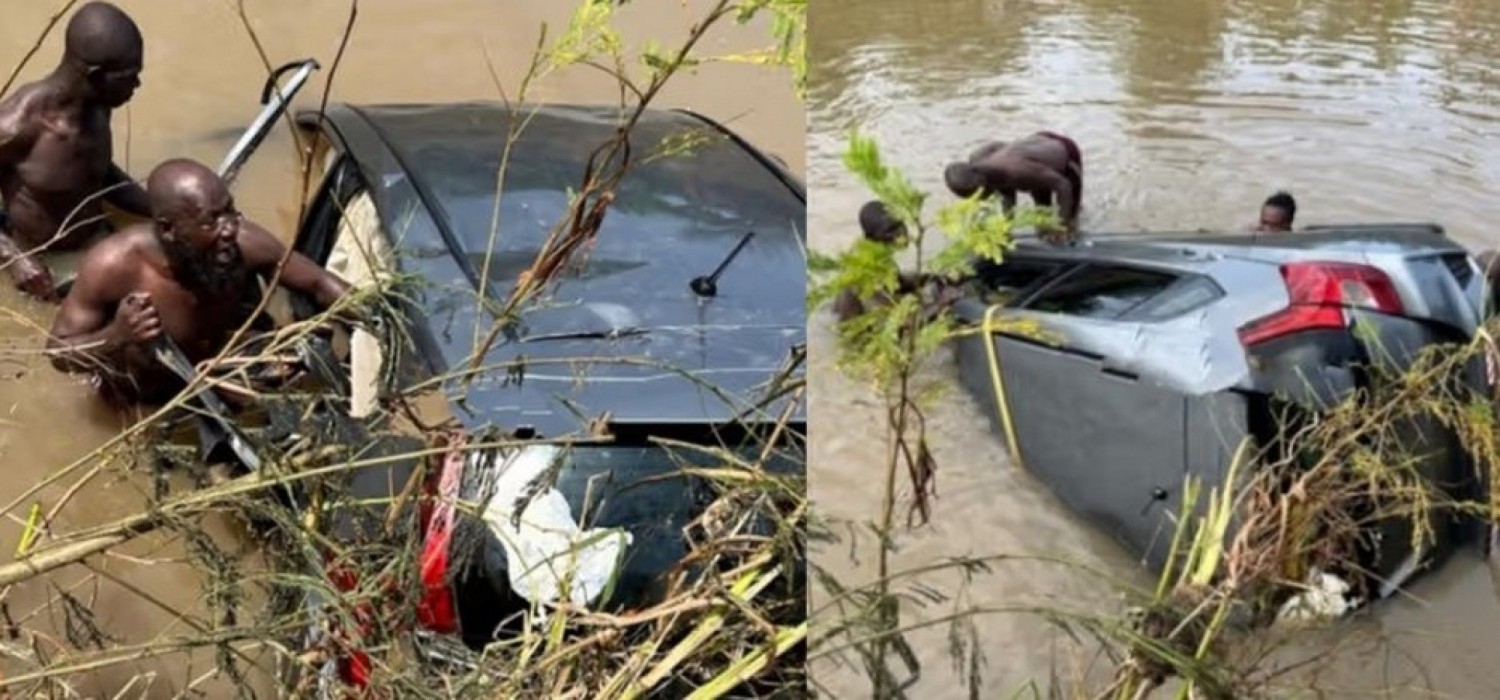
x: 709, y: 286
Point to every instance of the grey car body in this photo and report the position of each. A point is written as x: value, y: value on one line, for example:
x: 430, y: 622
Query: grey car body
x: 1145, y: 379
x: 431, y: 171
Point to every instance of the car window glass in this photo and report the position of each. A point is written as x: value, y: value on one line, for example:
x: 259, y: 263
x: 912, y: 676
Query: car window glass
x: 324, y: 214
x: 1177, y: 300
x: 1002, y: 282
x: 1100, y: 292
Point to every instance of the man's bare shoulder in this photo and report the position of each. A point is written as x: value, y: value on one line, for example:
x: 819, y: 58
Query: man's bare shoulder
x: 114, y: 262
x: 259, y: 246
x: 19, y: 109
x: 986, y: 150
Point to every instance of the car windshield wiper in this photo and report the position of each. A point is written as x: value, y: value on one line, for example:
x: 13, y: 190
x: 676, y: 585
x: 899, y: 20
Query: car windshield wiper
x: 709, y: 286
x: 610, y: 334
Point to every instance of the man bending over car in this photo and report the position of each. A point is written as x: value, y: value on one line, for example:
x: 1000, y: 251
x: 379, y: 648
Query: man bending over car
x: 190, y: 274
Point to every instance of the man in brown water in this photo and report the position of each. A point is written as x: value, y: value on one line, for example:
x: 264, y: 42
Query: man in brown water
x: 935, y: 293
x: 1277, y: 213
x: 190, y: 274
x: 1043, y: 164
x: 57, y: 151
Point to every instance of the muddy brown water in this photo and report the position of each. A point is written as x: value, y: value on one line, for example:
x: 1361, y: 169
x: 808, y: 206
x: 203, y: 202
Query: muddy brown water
x: 1189, y: 113
x: 201, y: 84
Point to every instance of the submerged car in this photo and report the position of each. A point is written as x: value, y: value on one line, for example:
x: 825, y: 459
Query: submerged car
x: 666, y: 343
x: 665, y: 357
x: 1158, y: 355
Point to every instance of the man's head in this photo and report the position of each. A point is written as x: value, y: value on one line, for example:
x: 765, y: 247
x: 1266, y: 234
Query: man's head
x: 878, y: 224
x: 962, y: 179
x: 196, y: 221
x: 106, y: 46
x: 1277, y: 213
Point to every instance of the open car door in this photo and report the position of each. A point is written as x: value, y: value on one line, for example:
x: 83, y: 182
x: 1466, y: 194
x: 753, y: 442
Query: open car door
x: 275, y: 100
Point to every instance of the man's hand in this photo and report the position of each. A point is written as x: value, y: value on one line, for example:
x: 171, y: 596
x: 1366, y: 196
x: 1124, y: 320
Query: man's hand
x: 1056, y: 235
x: 33, y: 278
x: 138, y: 322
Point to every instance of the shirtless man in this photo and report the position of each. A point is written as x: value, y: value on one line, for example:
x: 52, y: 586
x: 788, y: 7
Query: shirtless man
x: 1042, y: 164
x: 57, y: 151
x: 189, y: 273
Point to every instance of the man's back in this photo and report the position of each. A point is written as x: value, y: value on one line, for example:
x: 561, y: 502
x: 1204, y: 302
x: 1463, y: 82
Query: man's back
x: 1035, y: 148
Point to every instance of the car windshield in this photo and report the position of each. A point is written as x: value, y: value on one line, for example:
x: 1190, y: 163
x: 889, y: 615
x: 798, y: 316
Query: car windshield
x: 672, y: 218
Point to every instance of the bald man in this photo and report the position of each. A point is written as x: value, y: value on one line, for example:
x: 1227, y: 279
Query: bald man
x: 57, y: 150
x: 190, y: 273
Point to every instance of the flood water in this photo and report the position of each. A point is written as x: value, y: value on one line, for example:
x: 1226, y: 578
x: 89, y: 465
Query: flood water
x: 1189, y: 113
x: 201, y: 84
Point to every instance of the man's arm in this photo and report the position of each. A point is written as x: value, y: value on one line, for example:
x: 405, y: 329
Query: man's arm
x: 124, y: 192
x: 262, y: 252
x: 15, y: 143
x: 83, y: 334
x: 1040, y: 177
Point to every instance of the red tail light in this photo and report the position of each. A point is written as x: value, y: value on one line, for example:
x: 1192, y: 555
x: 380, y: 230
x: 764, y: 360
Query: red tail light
x: 1320, y: 291
x: 435, y: 609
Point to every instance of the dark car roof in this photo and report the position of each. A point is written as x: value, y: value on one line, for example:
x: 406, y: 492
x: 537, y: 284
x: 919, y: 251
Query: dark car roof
x: 694, y: 193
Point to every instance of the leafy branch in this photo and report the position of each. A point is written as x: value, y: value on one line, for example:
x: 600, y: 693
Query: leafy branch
x: 894, y: 322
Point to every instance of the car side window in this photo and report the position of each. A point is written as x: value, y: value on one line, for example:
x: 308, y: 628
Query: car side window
x: 1011, y: 279
x: 1184, y: 296
x: 1101, y: 292
x: 325, y: 213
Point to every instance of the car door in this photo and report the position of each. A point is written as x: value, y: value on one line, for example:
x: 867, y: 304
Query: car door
x: 1087, y: 417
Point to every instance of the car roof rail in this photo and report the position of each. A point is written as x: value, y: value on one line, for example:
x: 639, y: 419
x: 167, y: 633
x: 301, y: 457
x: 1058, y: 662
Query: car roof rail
x: 1392, y: 227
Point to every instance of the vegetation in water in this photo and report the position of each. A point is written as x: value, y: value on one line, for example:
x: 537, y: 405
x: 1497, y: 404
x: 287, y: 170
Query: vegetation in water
x: 902, y: 320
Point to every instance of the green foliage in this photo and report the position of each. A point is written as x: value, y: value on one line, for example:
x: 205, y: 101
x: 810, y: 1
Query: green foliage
x: 867, y: 269
x: 893, y: 321
x: 891, y: 186
x: 789, y: 27
x: 589, y: 34
x: 977, y: 230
